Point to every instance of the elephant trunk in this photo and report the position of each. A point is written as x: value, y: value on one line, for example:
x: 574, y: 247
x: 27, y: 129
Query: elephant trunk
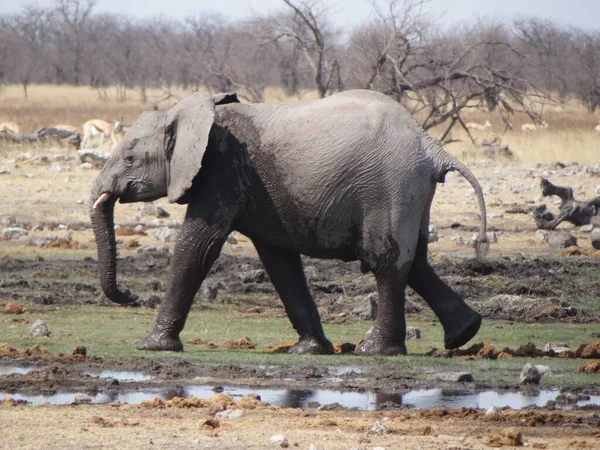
x: 102, y: 213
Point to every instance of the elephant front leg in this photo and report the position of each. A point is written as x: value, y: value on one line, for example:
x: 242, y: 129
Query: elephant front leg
x: 197, y: 248
x: 460, y: 322
x: 285, y: 271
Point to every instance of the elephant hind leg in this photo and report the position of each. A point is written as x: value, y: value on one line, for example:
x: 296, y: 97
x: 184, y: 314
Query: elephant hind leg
x: 460, y: 322
x: 389, y: 332
x: 287, y: 275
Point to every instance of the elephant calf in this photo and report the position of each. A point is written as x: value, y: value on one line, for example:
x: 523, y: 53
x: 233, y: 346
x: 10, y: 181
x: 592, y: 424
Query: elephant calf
x: 351, y: 177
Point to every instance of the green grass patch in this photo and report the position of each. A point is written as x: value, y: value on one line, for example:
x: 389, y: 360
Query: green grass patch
x: 111, y: 333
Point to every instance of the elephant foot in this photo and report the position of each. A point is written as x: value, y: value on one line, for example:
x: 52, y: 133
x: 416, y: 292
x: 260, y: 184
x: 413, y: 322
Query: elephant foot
x: 372, y: 346
x: 157, y: 341
x: 463, y: 334
x: 312, y: 346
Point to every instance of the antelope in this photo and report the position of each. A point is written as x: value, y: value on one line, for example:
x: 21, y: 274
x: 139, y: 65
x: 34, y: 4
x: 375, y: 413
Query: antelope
x: 10, y: 127
x: 100, y: 128
x: 478, y: 126
x: 527, y: 127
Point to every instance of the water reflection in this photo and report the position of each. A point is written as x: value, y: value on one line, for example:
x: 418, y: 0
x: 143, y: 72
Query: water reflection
x: 311, y: 398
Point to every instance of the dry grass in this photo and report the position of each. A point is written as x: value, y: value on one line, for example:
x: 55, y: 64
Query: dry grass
x: 50, y: 105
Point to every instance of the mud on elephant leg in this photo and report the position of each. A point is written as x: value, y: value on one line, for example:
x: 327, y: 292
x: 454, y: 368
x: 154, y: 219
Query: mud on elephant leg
x: 287, y: 275
x: 389, y: 332
x: 460, y: 322
x: 192, y: 261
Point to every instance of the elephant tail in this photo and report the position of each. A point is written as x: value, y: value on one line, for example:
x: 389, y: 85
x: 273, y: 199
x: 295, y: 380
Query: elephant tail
x: 481, y: 244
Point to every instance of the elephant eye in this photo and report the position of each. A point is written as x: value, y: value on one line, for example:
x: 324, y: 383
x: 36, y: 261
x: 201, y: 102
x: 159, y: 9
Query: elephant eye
x: 129, y: 158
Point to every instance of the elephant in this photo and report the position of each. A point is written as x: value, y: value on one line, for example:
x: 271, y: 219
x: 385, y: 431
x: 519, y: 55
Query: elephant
x: 348, y: 177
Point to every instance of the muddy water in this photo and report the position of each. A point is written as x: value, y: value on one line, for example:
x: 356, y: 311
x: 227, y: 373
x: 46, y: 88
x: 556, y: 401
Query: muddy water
x: 300, y: 398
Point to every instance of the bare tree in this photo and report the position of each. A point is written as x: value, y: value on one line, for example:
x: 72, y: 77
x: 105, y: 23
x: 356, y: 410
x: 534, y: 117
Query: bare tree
x: 72, y: 17
x: 438, y: 77
x: 29, y: 31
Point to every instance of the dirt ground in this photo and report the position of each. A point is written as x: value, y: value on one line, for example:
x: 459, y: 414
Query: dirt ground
x: 523, y: 280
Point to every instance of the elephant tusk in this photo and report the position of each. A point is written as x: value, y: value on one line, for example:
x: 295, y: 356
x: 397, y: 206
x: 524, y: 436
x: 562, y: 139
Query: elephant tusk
x: 104, y: 197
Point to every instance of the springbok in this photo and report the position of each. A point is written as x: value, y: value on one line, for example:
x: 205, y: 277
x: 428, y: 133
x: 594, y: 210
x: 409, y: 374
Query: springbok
x: 527, y: 127
x: 100, y: 128
x: 10, y: 127
x: 478, y: 126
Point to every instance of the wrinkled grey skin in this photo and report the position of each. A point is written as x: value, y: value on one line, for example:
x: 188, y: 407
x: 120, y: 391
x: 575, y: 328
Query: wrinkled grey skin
x: 350, y: 177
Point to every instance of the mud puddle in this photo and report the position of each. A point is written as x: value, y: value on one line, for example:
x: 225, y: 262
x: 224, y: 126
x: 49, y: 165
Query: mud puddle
x: 305, y: 398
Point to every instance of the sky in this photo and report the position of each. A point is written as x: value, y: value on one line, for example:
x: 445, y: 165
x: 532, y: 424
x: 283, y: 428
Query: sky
x: 348, y: 13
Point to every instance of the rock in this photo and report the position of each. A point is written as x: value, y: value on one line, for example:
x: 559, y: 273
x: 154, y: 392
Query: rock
x: 95, y: 158
x: 253, y: 276
x: 162, y: 213
x: 433, y: 234
x: 313, y: 447
x: 165, y: 234
x: 230, y: 414
x: 80, y: 202
x: 367, y: 309
x: 587, y: 228
x: 556, y: 347
x: 493, y: 411
x: 14, y: 233
x: 379, y: 428
x: 82, y: 399
x: 79, y: 350
x: 281, y: 440
x: 5, y: 172
x: 491, y: 237
x: 139, y: 229
x: 453, y: 377
x: 231, y: 239
x: 153, y: 250
x: 559, y: 239
x: 413, y: 333
x: 39, y: 329
x: 208, y: 292
x: 595, y: 238
x: 86, y: 166
x: 153, y: 302
x: 543, y: 370
x: 530, y: 375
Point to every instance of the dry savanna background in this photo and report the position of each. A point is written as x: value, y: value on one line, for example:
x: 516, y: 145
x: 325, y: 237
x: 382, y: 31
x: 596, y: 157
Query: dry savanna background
x: 516, y: 101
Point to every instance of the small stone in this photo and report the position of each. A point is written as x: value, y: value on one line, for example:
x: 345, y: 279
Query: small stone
x: 165, y: 234
x: 231, y: 239
x: 413, y: 333
x: 162, y: 213
x: 14, y: 233
x: 367, y: 309
x: 86, y: 166
x: 530, y: 375
x: 312, y: 447
x: 561, y: 240
x: 230, y: 414
x: 5, y: 172
x: 39, y: 329
x: 139, y: 229
x: 281, y: 440
x: 379, y: 428
x: 82, y: 399
x: 587, y: 228
x: 79, y: 350
x: 557, y: 347
x: 595, y: 238
x: 493, y: 411
x: 79, y: 202
x: 153, y: 250
x: 433, y: 234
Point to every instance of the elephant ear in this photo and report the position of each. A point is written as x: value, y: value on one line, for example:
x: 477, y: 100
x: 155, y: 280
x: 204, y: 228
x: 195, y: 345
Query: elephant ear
x: 188, y: 128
